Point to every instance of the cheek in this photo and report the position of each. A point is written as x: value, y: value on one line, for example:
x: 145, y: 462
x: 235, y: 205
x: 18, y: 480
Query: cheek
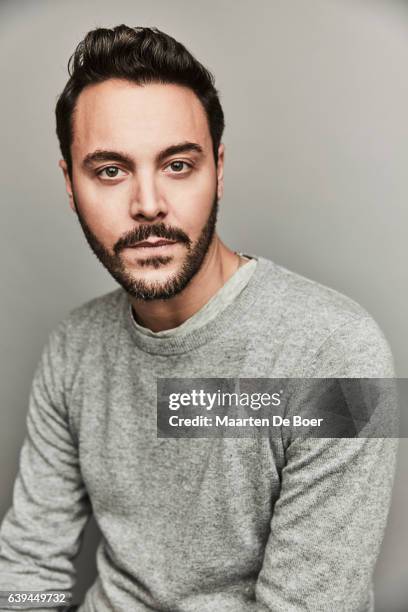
x: 101, y: 208
x: 190, y: 201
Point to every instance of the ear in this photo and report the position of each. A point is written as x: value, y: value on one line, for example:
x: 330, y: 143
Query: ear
x: 68, y: 185
x: 220, y: 170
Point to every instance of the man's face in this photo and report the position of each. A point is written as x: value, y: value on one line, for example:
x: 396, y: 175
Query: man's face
x: 143, y: 172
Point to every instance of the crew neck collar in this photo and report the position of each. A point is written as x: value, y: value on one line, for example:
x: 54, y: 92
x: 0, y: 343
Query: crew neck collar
x: 226, y: 319
x: 212, y: 308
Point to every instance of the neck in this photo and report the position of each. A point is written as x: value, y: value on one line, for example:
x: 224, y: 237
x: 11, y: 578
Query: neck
x: 219, y: 264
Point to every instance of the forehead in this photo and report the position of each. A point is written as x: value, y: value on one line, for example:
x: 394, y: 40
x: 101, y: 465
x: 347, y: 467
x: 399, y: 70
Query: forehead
x: 138, y: 119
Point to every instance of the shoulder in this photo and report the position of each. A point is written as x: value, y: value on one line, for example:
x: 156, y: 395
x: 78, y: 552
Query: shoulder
x: 342, y: 337
x: 87, y: 327
x: 99, y: 311
x: 304, y: 297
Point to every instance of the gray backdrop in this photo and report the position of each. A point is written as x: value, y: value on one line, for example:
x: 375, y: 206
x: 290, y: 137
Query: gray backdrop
x: 315, y: 94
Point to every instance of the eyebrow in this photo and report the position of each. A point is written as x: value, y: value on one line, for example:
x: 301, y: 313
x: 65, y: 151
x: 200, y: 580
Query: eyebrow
x: 101, y: 155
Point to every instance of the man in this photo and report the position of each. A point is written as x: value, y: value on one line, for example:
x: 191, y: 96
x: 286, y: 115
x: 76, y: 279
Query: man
x: 215, y: 524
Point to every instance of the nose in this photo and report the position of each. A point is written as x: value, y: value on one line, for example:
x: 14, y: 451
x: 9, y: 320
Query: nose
x: 147, y: 202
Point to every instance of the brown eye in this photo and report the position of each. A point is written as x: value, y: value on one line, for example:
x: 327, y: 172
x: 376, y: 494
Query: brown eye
x: 111, y: 171
x: 177, y: 166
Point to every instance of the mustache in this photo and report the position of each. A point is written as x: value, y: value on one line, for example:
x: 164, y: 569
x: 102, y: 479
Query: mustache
x: 160, y: 230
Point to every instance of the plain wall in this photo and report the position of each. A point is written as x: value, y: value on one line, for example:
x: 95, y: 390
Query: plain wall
x: 315, y: 94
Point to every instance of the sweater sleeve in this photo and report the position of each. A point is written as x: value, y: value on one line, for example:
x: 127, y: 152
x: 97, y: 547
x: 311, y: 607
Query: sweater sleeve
x: 329, y: 520
x: 42, y: 531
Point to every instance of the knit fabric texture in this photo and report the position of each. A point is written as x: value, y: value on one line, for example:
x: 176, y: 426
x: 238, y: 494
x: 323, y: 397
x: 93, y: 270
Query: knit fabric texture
x: 210, y: 524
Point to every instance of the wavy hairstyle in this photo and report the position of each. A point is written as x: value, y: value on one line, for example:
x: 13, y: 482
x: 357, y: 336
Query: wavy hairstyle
x: 141, y: 55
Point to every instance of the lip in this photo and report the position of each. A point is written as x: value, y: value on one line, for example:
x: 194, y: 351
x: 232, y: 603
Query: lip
x: 151, y: 244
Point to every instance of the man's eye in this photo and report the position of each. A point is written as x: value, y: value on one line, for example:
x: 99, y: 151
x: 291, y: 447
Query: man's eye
x: 110, y: 172
x: 178, y: 166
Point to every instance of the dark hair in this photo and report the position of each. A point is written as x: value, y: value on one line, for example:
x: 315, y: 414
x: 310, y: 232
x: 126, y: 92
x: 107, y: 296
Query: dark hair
x: 141, y: 55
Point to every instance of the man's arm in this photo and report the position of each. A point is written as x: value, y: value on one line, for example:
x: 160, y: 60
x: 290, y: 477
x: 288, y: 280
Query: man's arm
x: 42, y: 531
x: 329, y: 521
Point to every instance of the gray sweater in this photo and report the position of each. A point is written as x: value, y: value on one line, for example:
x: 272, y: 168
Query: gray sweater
x: 200, y: 525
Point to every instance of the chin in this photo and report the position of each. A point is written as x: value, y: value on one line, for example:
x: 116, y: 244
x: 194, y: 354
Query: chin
x: 156, y: 264
x: 152, y: 277
x: 156, y: 280
x: 154, y: 272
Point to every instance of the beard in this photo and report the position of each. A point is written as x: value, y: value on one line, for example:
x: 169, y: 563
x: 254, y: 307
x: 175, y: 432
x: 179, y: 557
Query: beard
x: 143, y: 289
